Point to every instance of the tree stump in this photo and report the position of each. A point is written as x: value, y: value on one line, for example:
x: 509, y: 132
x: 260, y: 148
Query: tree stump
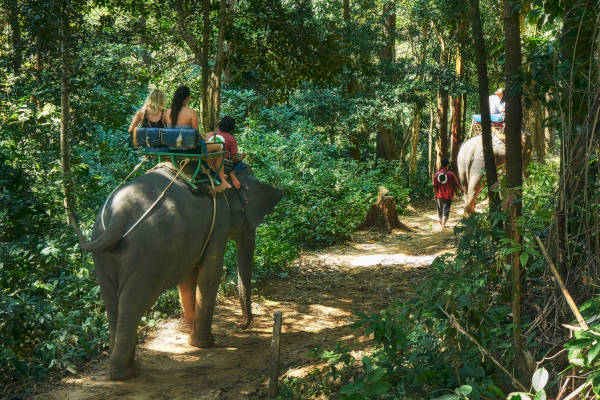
x: 383, y: 213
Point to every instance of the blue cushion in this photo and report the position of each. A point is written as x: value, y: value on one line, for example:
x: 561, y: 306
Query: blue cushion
x: 495, y: 118
x: 174, y: 138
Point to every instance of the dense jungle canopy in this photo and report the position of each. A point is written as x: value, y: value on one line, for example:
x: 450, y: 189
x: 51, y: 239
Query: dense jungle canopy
x: 333, y: 98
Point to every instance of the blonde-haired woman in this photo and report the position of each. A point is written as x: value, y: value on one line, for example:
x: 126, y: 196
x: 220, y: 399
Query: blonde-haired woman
x: 152, y: 113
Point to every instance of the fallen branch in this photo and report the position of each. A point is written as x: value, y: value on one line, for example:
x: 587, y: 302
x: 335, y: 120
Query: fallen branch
x: 562, y: 389
x: 483, y: 350
x: 577, y: 391
x: 564, y: 290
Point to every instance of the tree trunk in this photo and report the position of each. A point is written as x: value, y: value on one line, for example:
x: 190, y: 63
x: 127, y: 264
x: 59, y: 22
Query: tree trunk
x: 484, y: 103
x: 15, y: 27
x: 229, y: 45
x: 383, y: 213
x: 414, y: 141
x: 514, y: 177
x: 142, y: 41
x: 405, y: 141
x: 65, y: 113
x: 186, y: 35
x: 217, y: 73
x: 388, y: 51
x: 537, y: 130
x: 429, y: 163
x: 457, y: 101
x: 549, y: 134
x: 441, y: 144
x: 464, y: 116
x: 354, y: 149
x: 456, y: 131
x: 204, y: 106
x: 442, y: 106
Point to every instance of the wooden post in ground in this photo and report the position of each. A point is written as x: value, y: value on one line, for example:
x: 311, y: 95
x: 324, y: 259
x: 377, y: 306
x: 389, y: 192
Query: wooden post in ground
x: 275, y: 347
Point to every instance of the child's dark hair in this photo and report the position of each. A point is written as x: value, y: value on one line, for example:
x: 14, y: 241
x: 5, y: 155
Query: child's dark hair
x: 445, y: 162
x: 227, y: 124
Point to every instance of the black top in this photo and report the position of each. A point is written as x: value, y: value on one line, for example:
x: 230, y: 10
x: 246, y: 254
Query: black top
x: 146, y: 123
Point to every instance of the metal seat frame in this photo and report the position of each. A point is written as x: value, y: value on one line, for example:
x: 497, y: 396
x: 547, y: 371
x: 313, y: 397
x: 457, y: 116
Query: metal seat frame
x: 177, y: 157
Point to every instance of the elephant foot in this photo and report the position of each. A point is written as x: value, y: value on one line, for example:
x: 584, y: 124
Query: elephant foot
x: 185, y: 327
x: 123, y: 373
x: 201, y: 341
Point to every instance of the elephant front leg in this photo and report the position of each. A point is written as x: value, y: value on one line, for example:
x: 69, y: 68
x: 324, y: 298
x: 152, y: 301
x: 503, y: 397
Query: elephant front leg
x: 187, y: 297
x: 209, y: 279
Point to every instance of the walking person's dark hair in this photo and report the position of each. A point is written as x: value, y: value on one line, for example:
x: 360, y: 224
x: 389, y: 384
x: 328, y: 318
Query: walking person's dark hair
x: 177, y: 104
x: 445, y: 162
x: 227, y: 124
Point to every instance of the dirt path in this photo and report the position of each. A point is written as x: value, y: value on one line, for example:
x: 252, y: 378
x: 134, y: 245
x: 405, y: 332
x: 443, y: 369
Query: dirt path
x: 366, y: 274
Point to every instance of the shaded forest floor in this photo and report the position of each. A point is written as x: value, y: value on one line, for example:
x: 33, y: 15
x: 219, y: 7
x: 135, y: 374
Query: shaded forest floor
x: 317, y: 300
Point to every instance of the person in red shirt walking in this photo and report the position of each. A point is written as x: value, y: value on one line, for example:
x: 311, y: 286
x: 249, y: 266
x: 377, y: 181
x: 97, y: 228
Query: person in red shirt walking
x: 444, y: 182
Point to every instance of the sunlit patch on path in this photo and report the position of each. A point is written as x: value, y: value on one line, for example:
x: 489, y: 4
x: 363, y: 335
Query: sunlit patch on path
x: 317, y: 300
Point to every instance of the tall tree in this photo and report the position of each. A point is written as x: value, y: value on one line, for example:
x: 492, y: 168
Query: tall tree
x: 457, y: 100
x: 385, y: 132
x: 514, y: 177
x: 416, y: 122
x: 354, y: 150
x: 217, y: 73
x: 210, y: 88
x: 15, y: 28
x: 484, y: 104
x: 441, y: 144
x: 65, y: 114
x: 204, y: 107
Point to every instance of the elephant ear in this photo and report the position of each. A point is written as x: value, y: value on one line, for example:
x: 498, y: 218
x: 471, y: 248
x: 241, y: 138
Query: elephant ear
x: 258, y: 199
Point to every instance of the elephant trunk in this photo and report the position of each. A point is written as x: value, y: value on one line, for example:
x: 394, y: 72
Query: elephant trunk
x: 245, y: 256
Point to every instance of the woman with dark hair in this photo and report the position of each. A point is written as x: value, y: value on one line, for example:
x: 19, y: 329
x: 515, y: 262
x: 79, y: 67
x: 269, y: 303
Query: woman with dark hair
x: 181, y: 116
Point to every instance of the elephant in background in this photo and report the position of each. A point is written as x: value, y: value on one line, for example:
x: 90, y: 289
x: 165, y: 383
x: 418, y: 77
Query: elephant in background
x: 471, y: 168
x: 172, y: 245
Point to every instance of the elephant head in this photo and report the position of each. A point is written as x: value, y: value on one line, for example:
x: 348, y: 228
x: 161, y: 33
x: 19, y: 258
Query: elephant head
x: 249, y: 205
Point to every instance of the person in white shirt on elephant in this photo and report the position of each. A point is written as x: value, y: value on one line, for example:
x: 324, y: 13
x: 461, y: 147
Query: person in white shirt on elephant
x: 496, y: 104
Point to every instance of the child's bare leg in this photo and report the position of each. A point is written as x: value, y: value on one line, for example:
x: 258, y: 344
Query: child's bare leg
x: 216, y: 165
x: 234, y: 180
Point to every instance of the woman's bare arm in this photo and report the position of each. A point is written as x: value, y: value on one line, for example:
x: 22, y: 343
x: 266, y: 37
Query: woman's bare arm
x: 195, y: 123
x: 136, y: 120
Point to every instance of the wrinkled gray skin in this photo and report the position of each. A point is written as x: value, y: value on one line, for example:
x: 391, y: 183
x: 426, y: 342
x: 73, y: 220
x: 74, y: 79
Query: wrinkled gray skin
x: 163, y: 251
x: 471, y: 168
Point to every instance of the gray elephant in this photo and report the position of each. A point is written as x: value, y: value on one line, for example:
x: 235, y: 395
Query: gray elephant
x: 471, y: 168
x: 172, y: 245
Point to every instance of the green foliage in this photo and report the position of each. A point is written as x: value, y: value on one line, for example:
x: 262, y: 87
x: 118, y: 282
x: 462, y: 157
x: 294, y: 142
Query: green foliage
x: 417, y: 348
x: 584, y: 349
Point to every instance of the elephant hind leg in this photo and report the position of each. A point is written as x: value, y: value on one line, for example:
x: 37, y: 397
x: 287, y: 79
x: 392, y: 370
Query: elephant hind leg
x: 474, y: 189
x: 135, y: 299
x: 111, y: 302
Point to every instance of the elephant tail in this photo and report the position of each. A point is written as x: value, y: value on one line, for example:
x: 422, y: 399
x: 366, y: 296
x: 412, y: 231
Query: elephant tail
x: 107, y: 240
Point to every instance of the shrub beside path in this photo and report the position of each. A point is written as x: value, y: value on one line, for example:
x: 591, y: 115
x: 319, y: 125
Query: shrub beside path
x: 317, y: 300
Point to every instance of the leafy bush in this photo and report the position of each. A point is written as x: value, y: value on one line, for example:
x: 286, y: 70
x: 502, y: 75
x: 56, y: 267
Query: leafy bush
x: 418, y: 352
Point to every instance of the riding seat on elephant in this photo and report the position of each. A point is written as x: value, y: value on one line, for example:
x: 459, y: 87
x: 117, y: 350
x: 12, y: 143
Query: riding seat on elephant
x: 180, y: 241
x: 471, y: 168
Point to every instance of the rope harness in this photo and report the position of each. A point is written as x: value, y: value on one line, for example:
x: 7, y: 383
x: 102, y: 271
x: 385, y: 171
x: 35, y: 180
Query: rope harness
x: 182, y: 166
x: 118, y: 186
